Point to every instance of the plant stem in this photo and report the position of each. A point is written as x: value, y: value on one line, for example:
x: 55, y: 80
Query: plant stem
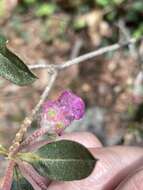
x: 86, y: 56
x: 8, y: 178
x: 28, y: 120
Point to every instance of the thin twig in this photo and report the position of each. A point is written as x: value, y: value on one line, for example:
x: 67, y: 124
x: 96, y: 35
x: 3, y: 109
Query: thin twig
x: 46, y: 91
x: 125, y: 35
x: 76, y: 49
x: 28, y: 120
x: 87, y: 56
x: 40, y: 66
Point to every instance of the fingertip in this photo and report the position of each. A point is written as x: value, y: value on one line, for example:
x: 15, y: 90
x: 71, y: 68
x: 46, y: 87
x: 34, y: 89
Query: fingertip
x: 85, y: 138
x: 134, y: 182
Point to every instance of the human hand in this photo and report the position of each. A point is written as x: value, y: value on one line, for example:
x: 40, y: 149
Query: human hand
x: 118, y: 168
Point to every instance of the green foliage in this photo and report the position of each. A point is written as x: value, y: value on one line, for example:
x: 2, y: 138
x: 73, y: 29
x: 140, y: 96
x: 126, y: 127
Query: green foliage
x: 30, y: 1
x: 45, y: 9
x: 79, y: 24
x: 53, y: 29
x: 137, y: 6
x: 138, y: 32
x: 12, y: 67
x: 2, y: 11
x: 62, y: 160
x: 129, y: 10
x: 19, y: 182
x: 105, y: 3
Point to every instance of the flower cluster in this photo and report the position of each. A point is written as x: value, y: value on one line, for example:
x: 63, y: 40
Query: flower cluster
x: 60, y: 113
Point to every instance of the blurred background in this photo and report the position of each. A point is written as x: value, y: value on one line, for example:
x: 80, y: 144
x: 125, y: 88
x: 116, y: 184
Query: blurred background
x: 41, y: 31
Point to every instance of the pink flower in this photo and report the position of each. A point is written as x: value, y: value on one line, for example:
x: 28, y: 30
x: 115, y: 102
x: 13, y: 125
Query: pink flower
x: 73, y: 104
x: 60, y: 113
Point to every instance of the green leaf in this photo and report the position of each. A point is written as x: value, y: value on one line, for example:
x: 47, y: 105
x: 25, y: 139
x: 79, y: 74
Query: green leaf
x: 19, y: 182
x: 12, y: 67
x: 30, y: 1
x: 103, y: 2
x: 79, y: 24
x: 2, y: 7
x: 138, y: 33
x: 137, y: 6
x: 62, y: 160
x: 46, y: 9
x: 3, y: 151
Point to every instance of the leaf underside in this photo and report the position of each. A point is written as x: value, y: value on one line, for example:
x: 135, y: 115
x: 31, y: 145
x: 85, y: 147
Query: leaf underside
x: 13, y: 68
x: 63, y: 160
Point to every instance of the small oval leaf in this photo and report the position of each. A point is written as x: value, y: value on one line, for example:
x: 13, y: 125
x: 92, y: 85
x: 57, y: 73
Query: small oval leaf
x: 13, y: 68
x: 62, y: 160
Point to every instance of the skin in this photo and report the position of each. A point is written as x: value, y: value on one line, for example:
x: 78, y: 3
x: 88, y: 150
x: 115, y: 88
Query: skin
x: 118, y: 168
